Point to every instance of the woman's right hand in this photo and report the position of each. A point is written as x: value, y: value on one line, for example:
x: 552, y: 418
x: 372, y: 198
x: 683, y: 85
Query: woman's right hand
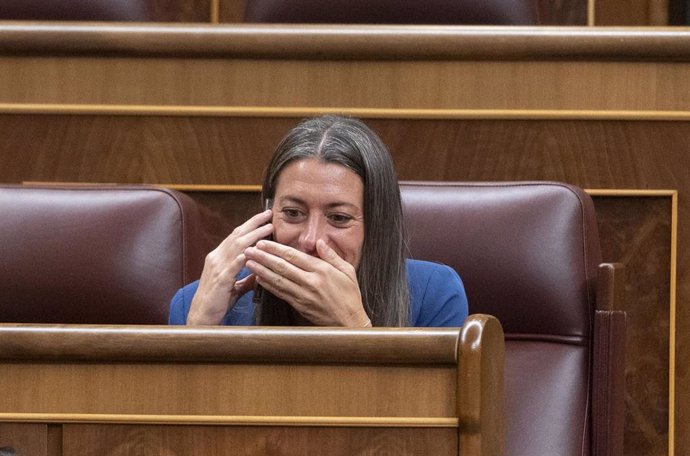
x: 218, y: 289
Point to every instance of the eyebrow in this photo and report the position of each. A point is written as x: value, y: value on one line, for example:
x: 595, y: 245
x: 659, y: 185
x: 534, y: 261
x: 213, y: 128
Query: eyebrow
x: 300, y: 201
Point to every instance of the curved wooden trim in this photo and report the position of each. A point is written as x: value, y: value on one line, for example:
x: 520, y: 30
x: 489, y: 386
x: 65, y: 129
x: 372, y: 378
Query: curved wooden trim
x: 319, y: 42
x: 228, y: 344
x: 214, y: 13
x: 257, y: 188
x: 337, y: 421
x: 480, y: 388
x: 672, y: 326
x: 591, y: 13
x: 633, y: 192
x: 214, y: 188
x: 367, y: 113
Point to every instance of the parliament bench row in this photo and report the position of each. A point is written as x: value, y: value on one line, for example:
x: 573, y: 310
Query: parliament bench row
x: 528, y: 253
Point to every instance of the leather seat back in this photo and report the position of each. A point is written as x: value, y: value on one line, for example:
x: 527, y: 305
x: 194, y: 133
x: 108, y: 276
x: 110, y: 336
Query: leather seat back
x: 97, y: 255
x: 493, y: 12
x: 528, y: 254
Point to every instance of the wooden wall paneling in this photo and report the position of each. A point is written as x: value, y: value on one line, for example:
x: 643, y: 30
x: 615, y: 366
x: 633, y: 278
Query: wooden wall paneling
x: 124, y: 440
x: 631, y: 12
x: 231, y: 11
x: 637, y: 231
x: 234, y: 150
x: 25, y: 439
x: 258, y: 390
x: 619, y: 86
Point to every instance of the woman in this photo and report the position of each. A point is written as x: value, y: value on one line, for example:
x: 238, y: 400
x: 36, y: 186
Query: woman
x: 336, y: 257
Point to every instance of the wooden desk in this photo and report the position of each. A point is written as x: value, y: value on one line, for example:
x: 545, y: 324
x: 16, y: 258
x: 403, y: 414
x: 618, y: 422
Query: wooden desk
x: 78, y: 390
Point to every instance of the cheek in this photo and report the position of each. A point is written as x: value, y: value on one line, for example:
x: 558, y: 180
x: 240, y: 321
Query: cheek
x: 285, y: 233
x: 350, y: 245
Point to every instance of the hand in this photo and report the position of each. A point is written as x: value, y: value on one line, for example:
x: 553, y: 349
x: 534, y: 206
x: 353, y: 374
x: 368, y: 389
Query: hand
x: 323, y: 290
x: 218, y: 290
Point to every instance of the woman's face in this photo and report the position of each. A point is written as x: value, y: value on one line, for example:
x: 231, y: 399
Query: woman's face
x: 318, y: 200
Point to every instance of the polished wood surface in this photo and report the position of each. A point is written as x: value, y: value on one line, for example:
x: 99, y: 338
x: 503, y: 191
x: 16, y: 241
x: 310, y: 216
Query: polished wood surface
x: 111, y: 384
x: 213, y: 344
x: 349, y: 42
x: 123, y: 440
x: 31, y: 438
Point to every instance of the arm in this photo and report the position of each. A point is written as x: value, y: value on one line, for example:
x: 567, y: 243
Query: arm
x: 437, y: 295
x: 219, y: 289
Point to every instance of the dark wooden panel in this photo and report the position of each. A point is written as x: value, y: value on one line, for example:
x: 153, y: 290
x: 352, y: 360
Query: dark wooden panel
x: 123, y: 440
x: 229, y: 150
x: 636, y: 231
x: 25, y: 439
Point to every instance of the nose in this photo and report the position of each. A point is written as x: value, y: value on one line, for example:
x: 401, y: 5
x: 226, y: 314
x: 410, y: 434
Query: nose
x: 312, y: 232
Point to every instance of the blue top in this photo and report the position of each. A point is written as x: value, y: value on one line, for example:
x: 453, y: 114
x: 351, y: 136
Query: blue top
x: 437, y: 298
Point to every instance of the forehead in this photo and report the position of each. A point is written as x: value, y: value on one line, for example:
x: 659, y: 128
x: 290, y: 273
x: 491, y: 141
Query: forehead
x: 318, y: 179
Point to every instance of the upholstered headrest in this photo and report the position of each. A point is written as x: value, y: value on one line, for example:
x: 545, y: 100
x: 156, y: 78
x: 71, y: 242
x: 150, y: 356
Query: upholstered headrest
x: 525, y: 245
x: 108, y: 255
x: 495, y: 12
x: 76, y: 10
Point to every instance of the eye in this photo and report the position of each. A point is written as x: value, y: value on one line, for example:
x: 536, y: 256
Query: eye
x: 339, y: 219
x: 291, y: 214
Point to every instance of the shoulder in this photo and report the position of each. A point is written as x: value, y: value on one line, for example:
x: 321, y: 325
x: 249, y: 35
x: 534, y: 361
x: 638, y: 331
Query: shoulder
x: 437, y: 294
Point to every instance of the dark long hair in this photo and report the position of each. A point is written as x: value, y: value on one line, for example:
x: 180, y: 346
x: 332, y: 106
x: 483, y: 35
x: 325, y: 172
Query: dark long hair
x: 381, y: 273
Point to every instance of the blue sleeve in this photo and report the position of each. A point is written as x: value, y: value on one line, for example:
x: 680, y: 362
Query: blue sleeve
x: 437, y: 296
x: 180, y: 304
x: 241, y: 314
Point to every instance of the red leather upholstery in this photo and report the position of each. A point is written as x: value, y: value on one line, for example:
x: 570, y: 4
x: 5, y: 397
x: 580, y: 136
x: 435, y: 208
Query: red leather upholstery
x: 528, y: 253
x: 496, y: 12
x: 75, y: 10
x: 98, y: 255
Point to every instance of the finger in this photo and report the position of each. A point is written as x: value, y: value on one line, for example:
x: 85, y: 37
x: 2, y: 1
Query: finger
x: 290, y: 255
x: 276, y: 264
x: 330, y: 256
x: 258, y: 223
x: 279, y: 285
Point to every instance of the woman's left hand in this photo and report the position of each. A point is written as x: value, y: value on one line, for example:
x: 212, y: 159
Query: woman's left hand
x: 323, y: 290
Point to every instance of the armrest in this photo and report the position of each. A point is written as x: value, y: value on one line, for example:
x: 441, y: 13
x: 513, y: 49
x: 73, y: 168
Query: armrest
x: 481, y: 410
x: 608, y: 404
